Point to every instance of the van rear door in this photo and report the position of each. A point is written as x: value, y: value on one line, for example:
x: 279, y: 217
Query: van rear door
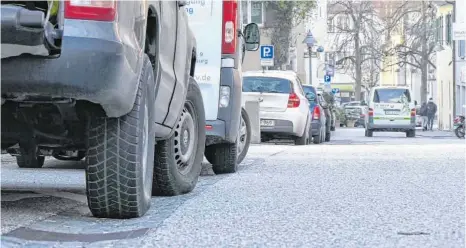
x: 205, y: 20
x: 392, y: 106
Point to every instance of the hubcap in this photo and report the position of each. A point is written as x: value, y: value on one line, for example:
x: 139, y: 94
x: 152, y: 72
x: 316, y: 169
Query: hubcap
x: 185, y: 141
x: 145, y: 141
x: 242, y: 136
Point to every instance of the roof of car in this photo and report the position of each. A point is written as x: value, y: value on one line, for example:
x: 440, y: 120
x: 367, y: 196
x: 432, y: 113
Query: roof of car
x: 391, y: 87
x: 290, y: 75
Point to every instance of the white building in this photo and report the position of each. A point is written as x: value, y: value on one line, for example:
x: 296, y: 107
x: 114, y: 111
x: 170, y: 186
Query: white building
x: 460, y: 77
x: 444, y: 63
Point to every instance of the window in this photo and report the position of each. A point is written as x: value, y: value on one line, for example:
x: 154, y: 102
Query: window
x: 267, y: 85
x: 391, y: 96
x: 253, y: 11
x: 330, y: 27
x: 448, y: 31
x: 462, y: 49
x: 440, y: 30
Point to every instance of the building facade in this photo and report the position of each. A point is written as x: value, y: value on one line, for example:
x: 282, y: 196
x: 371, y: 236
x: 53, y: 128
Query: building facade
x: 444, y: 63
x: 460, y: 72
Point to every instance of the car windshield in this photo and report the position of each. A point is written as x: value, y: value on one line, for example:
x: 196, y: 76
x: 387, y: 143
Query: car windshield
x: 267, y: 85
x: 391, y: 96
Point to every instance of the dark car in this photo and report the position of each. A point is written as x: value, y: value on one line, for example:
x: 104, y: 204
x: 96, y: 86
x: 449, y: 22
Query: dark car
x: 111, y: 81
x: 320, y: 115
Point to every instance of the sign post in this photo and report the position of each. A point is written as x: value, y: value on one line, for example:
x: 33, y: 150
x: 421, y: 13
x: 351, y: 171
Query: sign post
x: 267, y: 55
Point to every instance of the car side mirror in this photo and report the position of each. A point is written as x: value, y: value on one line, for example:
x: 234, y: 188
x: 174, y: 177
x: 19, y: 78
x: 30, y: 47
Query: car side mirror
x: 252, y: 38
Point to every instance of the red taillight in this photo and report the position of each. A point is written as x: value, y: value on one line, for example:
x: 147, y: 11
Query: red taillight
x: 413, y: 112
x: 370, y: 112
x: 316, y: 113
x: 293, y: 101
x: 230, y: 12
x: 90, y: 10
x: 208, y: 127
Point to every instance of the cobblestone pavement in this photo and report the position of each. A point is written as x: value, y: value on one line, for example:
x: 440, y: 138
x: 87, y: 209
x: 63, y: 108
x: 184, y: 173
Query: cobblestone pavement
x: 384, y: 191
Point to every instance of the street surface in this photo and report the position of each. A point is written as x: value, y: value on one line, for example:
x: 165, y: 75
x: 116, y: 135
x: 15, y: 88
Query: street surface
x: 384, y: 191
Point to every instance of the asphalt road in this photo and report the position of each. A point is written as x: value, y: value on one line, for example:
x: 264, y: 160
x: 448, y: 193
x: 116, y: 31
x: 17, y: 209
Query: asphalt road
x: 384, y: 191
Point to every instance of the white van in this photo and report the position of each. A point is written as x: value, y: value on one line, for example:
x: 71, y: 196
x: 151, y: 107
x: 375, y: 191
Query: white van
x: 391, y: 109
x: 221, y: 45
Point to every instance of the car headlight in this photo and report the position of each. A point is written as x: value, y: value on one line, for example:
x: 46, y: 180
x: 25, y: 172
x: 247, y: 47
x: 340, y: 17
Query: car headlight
x: 224, y: 96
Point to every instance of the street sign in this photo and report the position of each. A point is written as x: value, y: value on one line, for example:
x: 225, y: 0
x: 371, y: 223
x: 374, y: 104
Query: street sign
x: 327, y: 79
x: 459, y: 31
x: 335, y: 91
x: 267, y: 54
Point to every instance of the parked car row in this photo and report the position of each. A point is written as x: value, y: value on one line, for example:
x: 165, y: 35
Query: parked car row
x: 122, y: 84
x: 288, y: 109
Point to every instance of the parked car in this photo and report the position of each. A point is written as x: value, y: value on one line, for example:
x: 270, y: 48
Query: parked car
x: 321, y: 115
x: 218, y: 73
x: 284, y: 109
x: 352, y: 103
x: 356, y: 114
x: 114, y: 84
x: 391, y: 110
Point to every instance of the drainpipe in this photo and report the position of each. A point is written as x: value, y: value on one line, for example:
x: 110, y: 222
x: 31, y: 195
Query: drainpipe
x: 453, y: 20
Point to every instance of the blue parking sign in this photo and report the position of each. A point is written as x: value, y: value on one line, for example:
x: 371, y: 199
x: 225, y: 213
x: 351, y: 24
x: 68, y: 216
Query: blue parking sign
x: 267, y: 52
x: 335, y: 90
x: 327, y: 79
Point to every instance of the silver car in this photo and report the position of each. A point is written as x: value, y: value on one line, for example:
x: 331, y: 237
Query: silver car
x: 284, y: 109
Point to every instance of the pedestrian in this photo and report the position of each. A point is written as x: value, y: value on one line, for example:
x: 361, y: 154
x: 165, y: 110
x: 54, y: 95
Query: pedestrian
x: 423, y: 114
x: 431, y: 111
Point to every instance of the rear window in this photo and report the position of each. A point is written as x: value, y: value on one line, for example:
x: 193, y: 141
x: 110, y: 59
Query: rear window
x: 391, y: 96
x: 309, y: 89
x: 267, y: 85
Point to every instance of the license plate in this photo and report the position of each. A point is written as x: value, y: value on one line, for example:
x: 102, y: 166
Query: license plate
x: 391, y: 112
x: 267, y: 123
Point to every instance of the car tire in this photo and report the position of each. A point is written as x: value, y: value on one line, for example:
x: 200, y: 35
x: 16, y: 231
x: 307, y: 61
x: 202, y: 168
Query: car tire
x: 178, y: 160
x: 318, y: 138
x: 28, y: 157
x: 244, y: 136
x: 223, y: 157
x: 411, y: 133
x: 81, y: 155
x: 303, y: 140
x: 121, y: 154
x: 369, y: 133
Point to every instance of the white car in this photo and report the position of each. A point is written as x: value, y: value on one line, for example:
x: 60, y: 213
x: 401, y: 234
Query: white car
x: 391, y: 109
x: 284, y: 108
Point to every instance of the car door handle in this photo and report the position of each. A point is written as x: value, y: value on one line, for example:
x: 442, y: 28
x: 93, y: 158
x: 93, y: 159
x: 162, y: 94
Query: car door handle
x: 182, y: 3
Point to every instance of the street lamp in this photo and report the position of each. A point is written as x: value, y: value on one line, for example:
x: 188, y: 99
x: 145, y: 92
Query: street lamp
x: 310, y: 41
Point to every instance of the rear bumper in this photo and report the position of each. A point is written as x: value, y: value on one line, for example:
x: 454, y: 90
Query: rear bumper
x: 282, y: 127
x: 96, y: 68
x: 316, y: 126
x: 391, y: 128
x: 225, y: 128
x: 283, y: 120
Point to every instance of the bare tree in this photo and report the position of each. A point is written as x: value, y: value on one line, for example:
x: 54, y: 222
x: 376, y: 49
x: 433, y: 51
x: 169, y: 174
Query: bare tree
x: 417, y: 49
x: 359, y: 40
x: 286, y: 15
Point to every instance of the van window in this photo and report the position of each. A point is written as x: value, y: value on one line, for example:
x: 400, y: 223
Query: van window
x: 266, y: 85
x: 391, y: 96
